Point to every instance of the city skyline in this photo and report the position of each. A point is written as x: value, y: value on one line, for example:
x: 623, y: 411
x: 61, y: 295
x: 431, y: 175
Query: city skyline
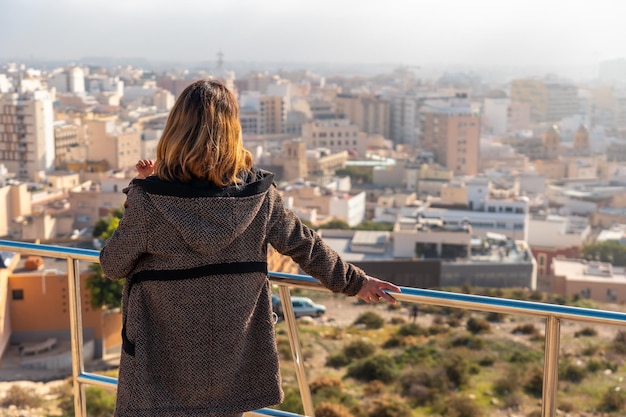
x: 450, y: 32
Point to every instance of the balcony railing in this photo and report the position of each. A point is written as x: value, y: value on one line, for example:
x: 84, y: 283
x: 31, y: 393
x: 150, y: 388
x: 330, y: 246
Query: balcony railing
x: 552, y: 314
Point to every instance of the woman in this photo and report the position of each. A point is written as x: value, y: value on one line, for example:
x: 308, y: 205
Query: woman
x: 198, y: 333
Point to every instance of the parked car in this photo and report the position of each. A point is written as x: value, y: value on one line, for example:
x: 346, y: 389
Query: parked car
x: 302, y: 306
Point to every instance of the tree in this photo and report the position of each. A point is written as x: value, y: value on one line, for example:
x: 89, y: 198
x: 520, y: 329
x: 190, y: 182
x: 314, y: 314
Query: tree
x: 105, y: 292
x: 612, y: 252
x: 103, y: 224
x: 335, y: 224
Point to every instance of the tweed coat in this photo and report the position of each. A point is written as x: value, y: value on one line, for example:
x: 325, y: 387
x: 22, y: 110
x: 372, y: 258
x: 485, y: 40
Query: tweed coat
x: 198, y: 334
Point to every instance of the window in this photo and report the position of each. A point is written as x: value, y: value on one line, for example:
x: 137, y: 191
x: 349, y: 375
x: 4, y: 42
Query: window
x: 18, y: 294
x: 611, y: 295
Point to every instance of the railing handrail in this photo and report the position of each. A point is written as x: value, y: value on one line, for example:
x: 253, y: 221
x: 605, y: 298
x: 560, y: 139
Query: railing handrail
x: 553, y: 313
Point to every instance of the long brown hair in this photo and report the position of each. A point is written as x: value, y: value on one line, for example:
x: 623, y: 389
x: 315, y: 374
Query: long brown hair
x: 202, y: 137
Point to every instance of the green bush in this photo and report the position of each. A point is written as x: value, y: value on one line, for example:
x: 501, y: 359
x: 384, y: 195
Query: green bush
x: 370, y: 320
x: 99, y: 402
x: 612, y: 400
x: 619, y: 342
x: 457, y: 369
x: 419, y: 355
x: 525, y: 356
x: 424, y: 387
x: 486, y: 361
x: 587, y: 331
x: 284, y: 348
x: 397, y: 320
x: 380, y: 367
x: 412, y: 329
x: 525, y: 329
x: 394, y: 341
x: 495, y: 317
x: 359, y: 349
x: 390, y: 406
x: 572, y: 373
x: 337, y: 361
x: 507, y: 384
x: 459, y: 406
x: 534, y: 383
x: 292, y: 402
x: 477, y: 325
x: 536, y: 296
x: 468, y: 341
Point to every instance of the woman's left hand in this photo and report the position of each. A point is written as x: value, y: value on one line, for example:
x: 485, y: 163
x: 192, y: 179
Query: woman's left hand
x: 374, y: 289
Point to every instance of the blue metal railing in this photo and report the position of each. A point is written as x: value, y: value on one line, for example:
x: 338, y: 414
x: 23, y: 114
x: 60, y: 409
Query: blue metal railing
x: 553, y: 315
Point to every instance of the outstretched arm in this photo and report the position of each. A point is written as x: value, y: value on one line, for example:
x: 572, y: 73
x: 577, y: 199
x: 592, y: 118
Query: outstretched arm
x: 373, y: 290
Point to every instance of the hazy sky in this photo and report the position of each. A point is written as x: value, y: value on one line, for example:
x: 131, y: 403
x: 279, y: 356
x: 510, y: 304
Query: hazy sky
x: 417, y: 32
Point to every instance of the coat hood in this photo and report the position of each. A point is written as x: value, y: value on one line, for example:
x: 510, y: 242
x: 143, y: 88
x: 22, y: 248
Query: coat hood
x: 206, y: 216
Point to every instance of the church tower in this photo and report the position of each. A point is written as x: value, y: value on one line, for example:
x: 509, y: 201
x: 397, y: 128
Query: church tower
x: 551, y: 142
x: 581, y: 141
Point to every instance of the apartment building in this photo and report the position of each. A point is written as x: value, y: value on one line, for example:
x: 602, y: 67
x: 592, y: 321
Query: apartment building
x: 451, y: 130
x: 550, y: 99
x: 551, y: 236
x: 597, y: 281
x: 335, y: 134
x: 27, y: 134
x: 371, y: 114
x: 262, y: 114
x: 113, y: 142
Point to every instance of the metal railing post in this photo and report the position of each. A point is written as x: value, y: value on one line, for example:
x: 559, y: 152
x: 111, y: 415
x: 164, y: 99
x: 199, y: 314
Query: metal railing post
x: 296, y: 350
x: 551, y: 367
x: 76, y: 335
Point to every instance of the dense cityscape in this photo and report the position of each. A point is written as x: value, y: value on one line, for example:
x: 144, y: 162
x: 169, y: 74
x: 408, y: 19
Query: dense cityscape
x: 504, y: 181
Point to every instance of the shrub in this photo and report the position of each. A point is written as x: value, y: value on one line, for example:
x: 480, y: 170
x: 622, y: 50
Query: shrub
x: 459, y: 406
x: 437, y: 329
x: 525, y: 356
x: 371, y: 320
x: 412, y: 329
x: 397, y: 320
x: 359, y: 349
x: 508, y: 383
x: 338, y: 360
x: 390, y: 406
x: 20, y: 397
x: 536, y: 296
x: 612, y: 400
x: 534, y: 383
x: 457, y: 370
x: 99, y: 402
x: 380, y: 367
x: 419, y: 354
x: 328, y: 409
x: 374, y: 388
x: 619, y: 342
x: 587, y: 331
x: 495, y: 317
x: 477, y: 325
x: 292, y: 402
x: 325, y: 382
x: 590, y: 350
x: 468, y: 341
x: 572, y: 373
x: 486, y: 361
x: 394, y: 341
x: 525, y: 329
x: 424, y: 387
x: 454, y: 322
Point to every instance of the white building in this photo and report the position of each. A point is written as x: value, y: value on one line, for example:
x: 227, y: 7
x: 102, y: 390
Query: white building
x: 348, y: 207
x: 558, y: 232
x: 27, y: 134
x: 495, y: 115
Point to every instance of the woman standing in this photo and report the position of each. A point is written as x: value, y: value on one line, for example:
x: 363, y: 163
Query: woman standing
x: 198, y: 333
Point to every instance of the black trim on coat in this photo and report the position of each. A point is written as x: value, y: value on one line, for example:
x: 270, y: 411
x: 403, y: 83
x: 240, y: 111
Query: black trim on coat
x: 182, y: 274
x: 256, y: 182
